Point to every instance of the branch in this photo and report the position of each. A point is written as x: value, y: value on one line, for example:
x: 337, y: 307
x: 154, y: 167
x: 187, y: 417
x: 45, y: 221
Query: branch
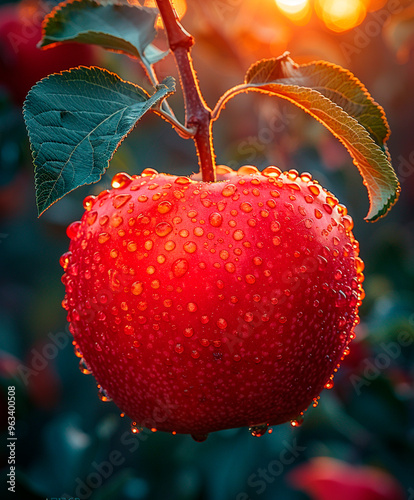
x: 197, y: 113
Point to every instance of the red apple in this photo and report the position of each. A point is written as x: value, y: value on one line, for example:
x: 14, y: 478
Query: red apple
x: 206, y: 306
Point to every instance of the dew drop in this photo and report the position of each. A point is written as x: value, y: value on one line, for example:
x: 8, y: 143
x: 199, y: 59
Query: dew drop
x: 116, y: 220
x: 163, y: 229
x: 182, y: 181
x: 73, y: 229
x: 188, y: 332
x: 314, y: 189
x: 148, y: 172
x: 238, y: 235
x: 248, y: 317
x: 258, y: 430
x: 247, y: 170
x: 191, y: 307
x: 65, y: 259
x: 275, y: 226
x: 348, y: 223
x: 179, y: 267
x: 131, y: 246
x: 229, y: 190
x: 199, y: 438
x: 137, y: 288
x: 103, y: 395
x: 216, y: 219
x: 250, y: 279
x: 120, y: 199
x: 190, y: 247
x: 120, y: 180
x: 155, y: 284
x: 84, y: 368
x: 179, y: 348
x: 91, y: 217
x: 161, y: 259
x: 224, y: 254
x: 230, y: 267
x: 135, y: 428
x: 271, y: 171
x: 360, y: 266
x: 297, y: 422
x: 169, y: 245
x: 88, y: 202
x: 164, y: 207
x: 246, y: 207
x: 222, y: 323
x: 103, y: 238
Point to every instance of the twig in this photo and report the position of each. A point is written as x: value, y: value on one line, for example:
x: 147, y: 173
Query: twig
x: 197, y: 113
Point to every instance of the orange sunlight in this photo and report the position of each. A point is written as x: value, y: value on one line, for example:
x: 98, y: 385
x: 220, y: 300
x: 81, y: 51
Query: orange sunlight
x: 298, y: 11
x: 341, y: 15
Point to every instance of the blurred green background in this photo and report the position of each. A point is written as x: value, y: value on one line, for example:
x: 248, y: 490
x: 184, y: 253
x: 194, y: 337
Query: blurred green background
x: 70, y: 444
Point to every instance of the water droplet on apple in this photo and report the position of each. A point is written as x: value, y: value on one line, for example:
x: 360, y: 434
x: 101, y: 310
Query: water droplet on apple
x: 163, y: 229
x: 216, y: 219
x: 84, y: 368
x: 164, y: 207
x: 258, y: 430
x: 103, y: 395
x: 199, y: 438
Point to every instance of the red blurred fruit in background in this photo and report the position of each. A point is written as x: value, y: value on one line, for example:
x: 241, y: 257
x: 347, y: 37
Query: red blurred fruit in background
x: 325, y: 478
x: 22, y: 64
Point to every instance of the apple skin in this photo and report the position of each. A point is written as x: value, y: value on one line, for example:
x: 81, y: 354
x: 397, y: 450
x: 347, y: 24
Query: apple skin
x: 206, y: 306
x: 22, y: 64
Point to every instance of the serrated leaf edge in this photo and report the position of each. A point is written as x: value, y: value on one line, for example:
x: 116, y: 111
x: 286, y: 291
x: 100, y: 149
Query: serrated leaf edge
x: 348, y: 74
x: 391, y: 200
x: 45, y: 206
x: 64, y: 4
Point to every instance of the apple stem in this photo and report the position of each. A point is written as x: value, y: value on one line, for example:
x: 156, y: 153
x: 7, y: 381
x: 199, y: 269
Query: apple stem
x: 197, y: 113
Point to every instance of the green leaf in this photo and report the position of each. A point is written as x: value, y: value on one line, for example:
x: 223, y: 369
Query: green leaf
x: 76, y: 120
x: 119, y: 27
x: 338, y: 100
x: 334, y: 82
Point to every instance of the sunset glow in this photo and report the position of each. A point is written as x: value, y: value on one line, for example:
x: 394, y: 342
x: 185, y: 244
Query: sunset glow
x: 180, y: 7
x: 341, y: 15
x: 299, y: 11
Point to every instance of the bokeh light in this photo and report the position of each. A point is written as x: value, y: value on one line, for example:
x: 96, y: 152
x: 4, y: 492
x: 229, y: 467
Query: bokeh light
x: 180, y: 7
x: 298, y: 11
x: 341, y: 15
